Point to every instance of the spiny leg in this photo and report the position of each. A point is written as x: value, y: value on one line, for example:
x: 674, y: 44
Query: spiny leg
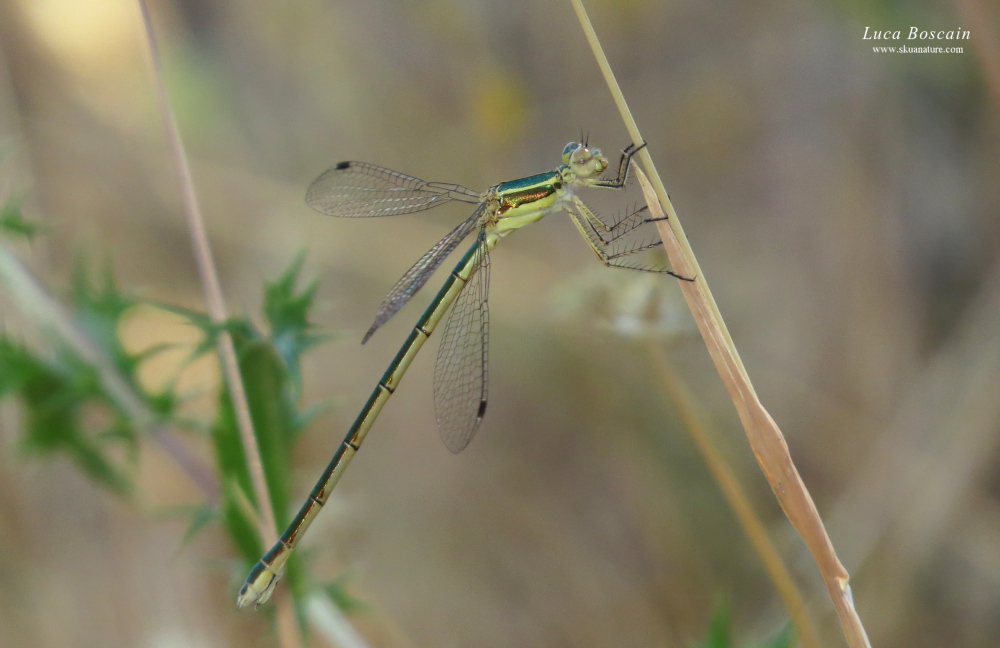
x: 583, y: 218
x: 620, y: 227
x: 619, y: 258
x: 597, y: 225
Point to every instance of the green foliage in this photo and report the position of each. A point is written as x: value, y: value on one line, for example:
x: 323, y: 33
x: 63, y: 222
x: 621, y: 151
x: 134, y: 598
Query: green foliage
x: 56, y: 395
x: 100, y: 309
x: 719, y: 633
x: 68, y: 408
x: 12, y: 222
x: 287, y: 313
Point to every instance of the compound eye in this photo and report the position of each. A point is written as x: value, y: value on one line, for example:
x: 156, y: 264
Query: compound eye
x: 568, y: 151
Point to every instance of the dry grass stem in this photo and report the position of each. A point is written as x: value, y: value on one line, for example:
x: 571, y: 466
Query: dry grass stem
x: 765, y: 438
x: 210, y: 283
x: 696, y: 423
x: 288, y: 629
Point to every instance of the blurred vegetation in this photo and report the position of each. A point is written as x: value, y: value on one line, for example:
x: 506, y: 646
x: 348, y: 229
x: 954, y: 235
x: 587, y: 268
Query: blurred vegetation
x: 12, y: 222
x: 842, y: 204
x: 60, y: 391
x: 720, y: 632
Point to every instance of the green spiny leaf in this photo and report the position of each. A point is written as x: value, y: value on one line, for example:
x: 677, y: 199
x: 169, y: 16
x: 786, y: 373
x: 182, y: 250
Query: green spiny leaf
x: 55, y: 394
x: 287, y: 313
x: 59, y: 391
x: 99, y: 311
x: 209, y: 328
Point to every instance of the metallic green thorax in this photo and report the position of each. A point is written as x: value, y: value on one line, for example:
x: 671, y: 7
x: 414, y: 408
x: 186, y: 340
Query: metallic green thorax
x: 531, y: 182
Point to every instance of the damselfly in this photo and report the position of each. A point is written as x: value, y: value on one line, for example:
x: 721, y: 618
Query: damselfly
x: 360, y: 190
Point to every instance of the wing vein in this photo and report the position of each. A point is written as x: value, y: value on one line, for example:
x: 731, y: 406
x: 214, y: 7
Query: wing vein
x: 362, y: 190
x: 418, y: 274
x: 461, y: 372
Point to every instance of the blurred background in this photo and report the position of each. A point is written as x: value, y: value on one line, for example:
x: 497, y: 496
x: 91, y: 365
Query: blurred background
x: 842, y: 203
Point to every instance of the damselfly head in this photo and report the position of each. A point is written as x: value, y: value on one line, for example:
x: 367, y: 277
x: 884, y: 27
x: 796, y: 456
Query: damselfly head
x: 584, y: 162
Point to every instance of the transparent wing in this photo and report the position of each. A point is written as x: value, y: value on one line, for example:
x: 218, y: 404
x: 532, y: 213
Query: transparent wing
x: 461, y: 370
x: 361, y: 190
x: 421, y: 271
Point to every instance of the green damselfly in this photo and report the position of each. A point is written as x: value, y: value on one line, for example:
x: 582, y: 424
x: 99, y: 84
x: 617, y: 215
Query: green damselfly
x: 361, y: 190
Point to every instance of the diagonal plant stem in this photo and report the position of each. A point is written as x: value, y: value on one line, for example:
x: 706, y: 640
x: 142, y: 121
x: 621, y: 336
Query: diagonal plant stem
x: 765, y: 437
x: 696, y: 423
x: 288, y: 629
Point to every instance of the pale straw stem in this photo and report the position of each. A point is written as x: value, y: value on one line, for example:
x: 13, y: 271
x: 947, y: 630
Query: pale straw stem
x: 696, y: 423
x: 765, y: 438
x: 288, y: 629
